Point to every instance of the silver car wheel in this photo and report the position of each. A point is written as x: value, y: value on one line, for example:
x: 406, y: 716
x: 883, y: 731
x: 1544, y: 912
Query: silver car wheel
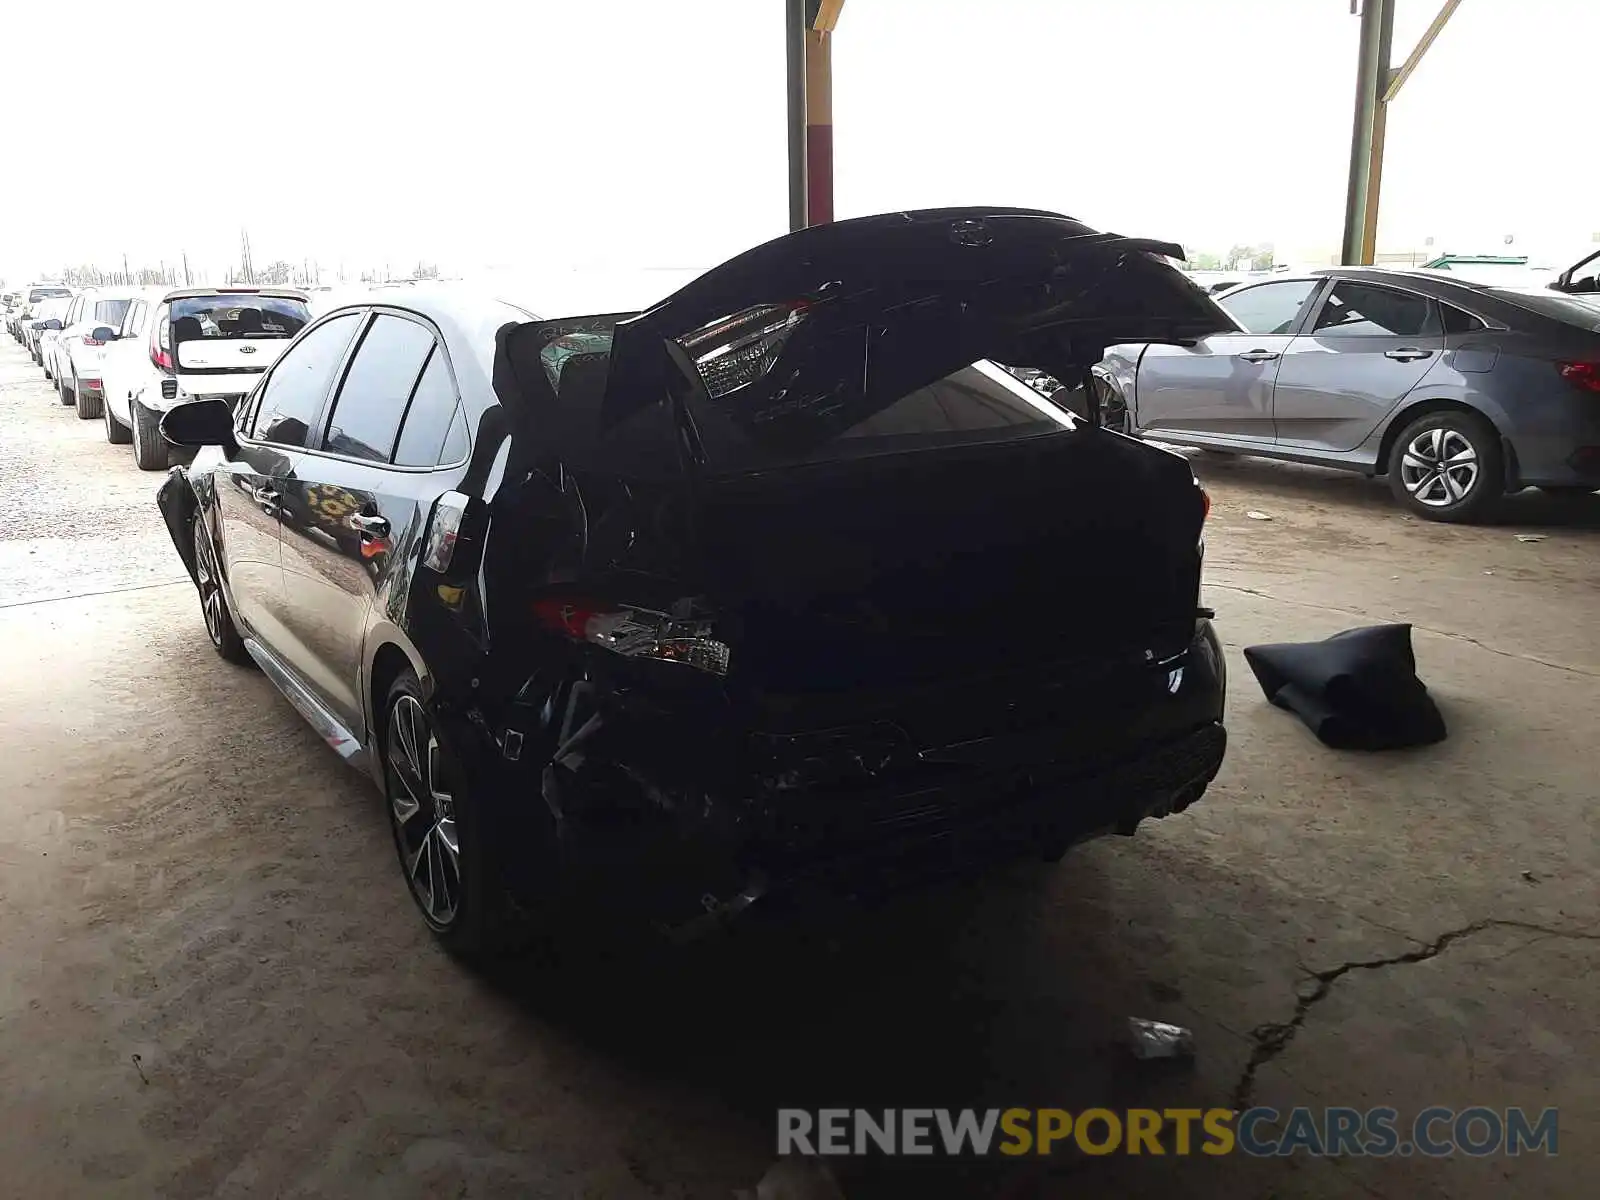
x: 423, y: 812
x: 205, y: 573
x: 1439, y: 467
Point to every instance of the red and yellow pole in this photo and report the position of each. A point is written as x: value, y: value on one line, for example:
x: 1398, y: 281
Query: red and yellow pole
x: 819, y: 112
x: 811, y: 110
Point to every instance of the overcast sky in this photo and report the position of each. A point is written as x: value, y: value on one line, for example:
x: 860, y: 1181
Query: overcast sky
x: 472, y: 134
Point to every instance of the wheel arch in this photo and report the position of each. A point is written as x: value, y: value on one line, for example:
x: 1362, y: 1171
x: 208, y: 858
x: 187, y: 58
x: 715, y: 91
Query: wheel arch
x: 391, y: 654
x: 1433, y: 404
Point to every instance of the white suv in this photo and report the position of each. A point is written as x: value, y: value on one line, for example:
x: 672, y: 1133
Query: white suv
x: 92, y: 320
x: 191, y: 344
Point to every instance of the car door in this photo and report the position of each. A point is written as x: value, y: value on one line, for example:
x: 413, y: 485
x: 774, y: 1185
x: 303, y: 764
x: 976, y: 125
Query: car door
x: 1223, y: 385
x: 1365, y: 348
x: 251, y: 483
x: 121, y: 358
x: 365, y: 490
x: 62, y: 367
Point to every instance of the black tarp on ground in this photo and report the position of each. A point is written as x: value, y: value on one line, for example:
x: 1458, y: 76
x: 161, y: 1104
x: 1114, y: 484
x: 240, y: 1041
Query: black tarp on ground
x: 1357, y: 690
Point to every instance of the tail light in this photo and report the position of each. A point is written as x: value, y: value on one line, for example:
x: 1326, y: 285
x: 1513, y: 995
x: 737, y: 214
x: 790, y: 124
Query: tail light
x: 1585, y: 374
x: 635, y: 632
x: 160, y: 354
x: 455, y: 535
x: 1205, y: 502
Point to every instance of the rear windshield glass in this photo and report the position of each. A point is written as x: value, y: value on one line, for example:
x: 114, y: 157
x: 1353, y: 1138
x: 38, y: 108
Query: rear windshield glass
x: 979, y: 403
x: 195, y: 317
x: 37, y: 294
x: 1584, y: 313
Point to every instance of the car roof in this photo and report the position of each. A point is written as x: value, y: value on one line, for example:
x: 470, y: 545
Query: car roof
x: 1430, y: 282
x: 283, y: 293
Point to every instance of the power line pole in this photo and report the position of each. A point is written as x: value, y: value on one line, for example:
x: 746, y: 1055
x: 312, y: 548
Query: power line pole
x: 186, y: 279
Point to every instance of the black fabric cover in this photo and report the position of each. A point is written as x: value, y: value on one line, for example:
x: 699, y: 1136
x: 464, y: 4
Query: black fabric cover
x: 1358, y: 690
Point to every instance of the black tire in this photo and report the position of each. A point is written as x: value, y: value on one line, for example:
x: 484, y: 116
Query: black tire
x: 88, y: 406
x: 117, y: 433
x: 462, y: 896
x: 64, y: 391
x: 214, y: 610
x: 1468, y: 446
x: 1568, y: 491
x: 150, y: 449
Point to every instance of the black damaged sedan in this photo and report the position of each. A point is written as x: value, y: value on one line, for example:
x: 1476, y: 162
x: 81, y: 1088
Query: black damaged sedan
x: 777, y: 592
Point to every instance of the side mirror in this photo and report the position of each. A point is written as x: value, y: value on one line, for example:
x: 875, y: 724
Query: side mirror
x: 200, y: 423
x: 54, y: 324
x: 104, y: 333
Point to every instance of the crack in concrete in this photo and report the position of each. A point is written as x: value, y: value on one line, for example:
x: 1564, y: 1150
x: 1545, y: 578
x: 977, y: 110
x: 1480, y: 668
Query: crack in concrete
x: 1444, y: 633
x: 1272, y: 1039
x: 116, y: 591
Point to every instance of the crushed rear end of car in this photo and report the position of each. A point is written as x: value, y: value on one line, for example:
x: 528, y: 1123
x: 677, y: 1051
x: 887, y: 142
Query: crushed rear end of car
x: 839, y: 606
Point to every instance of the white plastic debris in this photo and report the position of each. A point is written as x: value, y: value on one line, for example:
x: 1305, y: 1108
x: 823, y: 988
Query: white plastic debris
x: 1157, y: 1039
x: 1255, y: 514
x: 1530, y: 537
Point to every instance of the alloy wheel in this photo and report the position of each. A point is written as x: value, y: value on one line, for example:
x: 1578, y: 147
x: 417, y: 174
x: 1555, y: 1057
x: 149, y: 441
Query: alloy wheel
x: 423, y: 812
x: 1439, y: 467
x: 210, y: 585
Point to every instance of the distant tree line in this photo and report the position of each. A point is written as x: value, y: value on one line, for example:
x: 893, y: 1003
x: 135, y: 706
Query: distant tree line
x: 280, y: 273
x: 1238, y: 258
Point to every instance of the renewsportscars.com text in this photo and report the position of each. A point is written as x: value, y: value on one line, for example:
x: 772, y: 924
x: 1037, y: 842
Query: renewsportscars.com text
x: 1434, y: 1132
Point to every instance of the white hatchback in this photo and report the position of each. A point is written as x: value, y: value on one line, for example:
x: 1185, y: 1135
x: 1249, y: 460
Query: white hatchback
x: 191, y: 344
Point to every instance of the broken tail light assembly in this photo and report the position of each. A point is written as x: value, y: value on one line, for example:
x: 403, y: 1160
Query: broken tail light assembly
x: 637, y: 633
x: 734, y: 351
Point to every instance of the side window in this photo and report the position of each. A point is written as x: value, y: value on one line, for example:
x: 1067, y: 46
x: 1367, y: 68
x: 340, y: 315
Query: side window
x: 134, y: 321
x: 292, y: 396
x: 111, y: 313
x: 1356, y: 310
x: 73, y: 310
x: 1269, y: 307
x: 436, y: 426
x: 381, y: 378
x: 1456, y: 321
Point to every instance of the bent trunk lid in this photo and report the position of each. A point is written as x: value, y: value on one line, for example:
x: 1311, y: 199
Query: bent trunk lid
x: 883, y: 304
x: 841, y: 568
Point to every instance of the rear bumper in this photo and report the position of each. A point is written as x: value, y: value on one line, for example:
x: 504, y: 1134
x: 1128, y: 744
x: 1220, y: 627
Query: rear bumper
x: 231, y: 387
x: 731, y: 846
x: 1553, y: 439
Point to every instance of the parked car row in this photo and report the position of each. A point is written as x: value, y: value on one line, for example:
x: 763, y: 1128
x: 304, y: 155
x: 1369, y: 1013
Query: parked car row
x: 18, y: 307
x: 126, y: 355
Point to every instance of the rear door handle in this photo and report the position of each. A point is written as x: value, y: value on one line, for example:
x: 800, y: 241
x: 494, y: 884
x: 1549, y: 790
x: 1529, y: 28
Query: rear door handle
x: 1258, y: 356
x: 1407, y: 354
x: 370, y: 526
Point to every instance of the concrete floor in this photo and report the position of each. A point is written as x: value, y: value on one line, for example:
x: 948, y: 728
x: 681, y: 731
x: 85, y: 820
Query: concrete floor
x: 213, y: 984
